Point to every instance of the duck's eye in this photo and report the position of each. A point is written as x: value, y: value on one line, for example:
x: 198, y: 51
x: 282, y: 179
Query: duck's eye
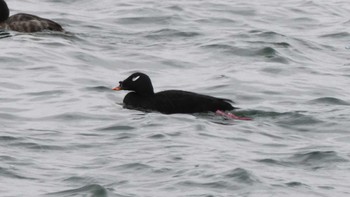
x: 135, y: 78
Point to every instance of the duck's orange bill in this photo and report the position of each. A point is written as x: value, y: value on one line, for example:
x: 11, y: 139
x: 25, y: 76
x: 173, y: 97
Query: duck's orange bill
x: 117, y: 88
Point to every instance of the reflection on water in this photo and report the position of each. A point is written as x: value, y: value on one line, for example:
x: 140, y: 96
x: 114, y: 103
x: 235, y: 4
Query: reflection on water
x: 64, y: 132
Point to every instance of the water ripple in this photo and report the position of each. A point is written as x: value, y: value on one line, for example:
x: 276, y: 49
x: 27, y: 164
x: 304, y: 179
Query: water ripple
x: 93, y: 190
x: 285, y: 65
x: 133, y: 167
x: 146, y: 20
x: 317, y: 158
x: 171, y: 33
x: 267, y: 52
x: 116, y: 128
x: 99, y: 89
x: 241, y: 175
x: 313, y: 159
x: 11, y: 174
x: 329, y: 101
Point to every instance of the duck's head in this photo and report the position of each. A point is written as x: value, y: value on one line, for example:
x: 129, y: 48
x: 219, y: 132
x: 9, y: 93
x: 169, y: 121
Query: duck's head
x: 4, y: 11
x: 137, y: 82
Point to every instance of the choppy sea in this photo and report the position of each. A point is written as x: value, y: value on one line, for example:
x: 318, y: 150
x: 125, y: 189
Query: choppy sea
x: 65, y: 133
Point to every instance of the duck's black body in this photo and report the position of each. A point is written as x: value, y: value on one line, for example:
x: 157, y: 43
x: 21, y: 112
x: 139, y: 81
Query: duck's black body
x: 25, y: 22
x: 168, y: 102
x: 176, y: 101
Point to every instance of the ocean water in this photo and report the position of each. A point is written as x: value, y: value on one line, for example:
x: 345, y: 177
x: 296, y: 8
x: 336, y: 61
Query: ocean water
x: 64, y: 132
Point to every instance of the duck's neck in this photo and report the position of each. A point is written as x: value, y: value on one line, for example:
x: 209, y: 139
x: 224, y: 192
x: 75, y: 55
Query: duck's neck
x: 145, y: 90
x: 145, y: 94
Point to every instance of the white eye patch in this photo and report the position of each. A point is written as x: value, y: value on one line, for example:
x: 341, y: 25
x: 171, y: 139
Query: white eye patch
x: 135, y: 78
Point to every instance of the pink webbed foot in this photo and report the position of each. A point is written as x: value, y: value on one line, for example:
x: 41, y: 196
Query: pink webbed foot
x: 231, y: 115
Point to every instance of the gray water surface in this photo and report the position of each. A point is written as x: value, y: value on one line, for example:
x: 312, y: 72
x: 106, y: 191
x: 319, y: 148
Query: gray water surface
x: 64, y: 132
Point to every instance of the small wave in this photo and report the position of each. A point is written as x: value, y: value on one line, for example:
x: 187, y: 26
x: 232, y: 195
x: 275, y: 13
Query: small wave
x: 175, y: 7
x: 11, y: 117
x: 329, y: 100
x: 46, y: 93
x: 298, y: 121
x: 317, y: 158
x: 336, y: 35
x: 145, y: 20
x: 9, y: 85
x: 212, y: 184
x: 270, y: 161
x: 296, y: 184
x: 157, y: 136
x: 10, y: 174
x: 229, y: 180
x: 123, y: 136
x: 314, y: 159
x: 217, y: 20
x: 36, y: 146
x: 7, y: 158
x: 72, y: 116
x: 266, y: 34
x: 4, y: 34
x: 99, y: 89
x: 267, y: 52
x: 262, y: 113
x: 171, y: 33
x: 44, y: 68
x: 227, y: 48
x: 93, y: 190
x: 133, y: 167
x: 9, y: 138
x: 116, y: 128
x: 241, y: 175
x: 276, y: 44
x: 23, y: 143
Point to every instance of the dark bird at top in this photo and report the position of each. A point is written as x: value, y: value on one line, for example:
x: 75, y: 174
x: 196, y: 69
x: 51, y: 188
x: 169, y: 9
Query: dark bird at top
x: 25, y: 22
x: 143, y: 98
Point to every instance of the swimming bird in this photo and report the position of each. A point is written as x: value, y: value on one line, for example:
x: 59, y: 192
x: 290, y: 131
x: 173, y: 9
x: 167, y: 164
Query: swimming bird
x: 25, y: 22
x: 143, y: 98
